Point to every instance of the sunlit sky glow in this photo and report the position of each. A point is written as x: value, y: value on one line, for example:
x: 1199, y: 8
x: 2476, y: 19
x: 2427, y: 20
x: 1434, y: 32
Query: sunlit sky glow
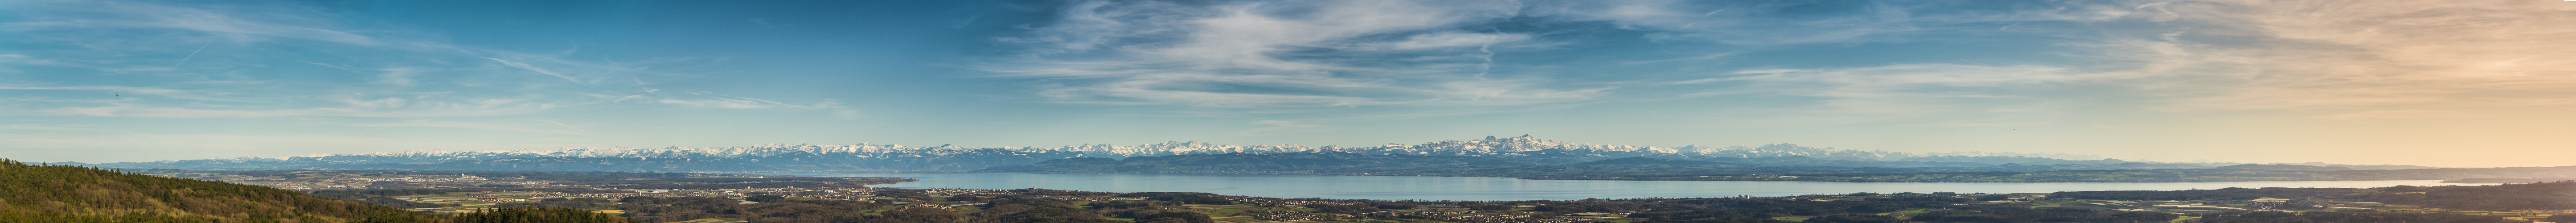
x: 2443, y: 83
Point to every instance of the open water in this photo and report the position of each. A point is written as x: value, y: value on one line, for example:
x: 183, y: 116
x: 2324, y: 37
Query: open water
x: 1498, y: 189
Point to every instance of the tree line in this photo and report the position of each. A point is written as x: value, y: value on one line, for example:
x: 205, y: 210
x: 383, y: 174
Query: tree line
x: 75, y: 194
x: 2528, y: 196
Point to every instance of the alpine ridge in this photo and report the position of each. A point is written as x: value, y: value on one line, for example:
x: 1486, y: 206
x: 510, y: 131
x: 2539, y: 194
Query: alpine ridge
x: 865, y: 156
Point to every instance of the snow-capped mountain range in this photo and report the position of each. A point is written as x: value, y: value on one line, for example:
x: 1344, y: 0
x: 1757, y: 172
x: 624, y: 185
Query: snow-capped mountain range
x: 950, y: 157
x: 1490, y: 146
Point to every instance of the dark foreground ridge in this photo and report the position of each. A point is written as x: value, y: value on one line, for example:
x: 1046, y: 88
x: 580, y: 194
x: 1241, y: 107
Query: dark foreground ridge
x: 59, y: 194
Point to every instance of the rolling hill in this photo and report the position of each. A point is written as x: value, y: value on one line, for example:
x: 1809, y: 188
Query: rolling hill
x: 58, y: 193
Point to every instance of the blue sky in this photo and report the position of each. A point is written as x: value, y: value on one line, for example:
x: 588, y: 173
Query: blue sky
x: 2237, y: 81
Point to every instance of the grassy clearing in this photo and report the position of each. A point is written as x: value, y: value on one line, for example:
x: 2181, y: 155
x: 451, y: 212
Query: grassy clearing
x: 1218, y: 210
x: 883, y: 209
x: 1915, y: 211
x: 711, y: 220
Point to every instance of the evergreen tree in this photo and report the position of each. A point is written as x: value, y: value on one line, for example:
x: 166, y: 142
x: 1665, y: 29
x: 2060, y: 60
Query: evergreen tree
x: 61, y: 193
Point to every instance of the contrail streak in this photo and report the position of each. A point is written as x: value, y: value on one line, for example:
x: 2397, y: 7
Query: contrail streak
x: 191, y: 54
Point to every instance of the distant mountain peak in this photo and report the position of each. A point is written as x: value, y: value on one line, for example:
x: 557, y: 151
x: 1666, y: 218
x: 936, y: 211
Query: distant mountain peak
x: 1489, y: 146
x: 1525, y: 147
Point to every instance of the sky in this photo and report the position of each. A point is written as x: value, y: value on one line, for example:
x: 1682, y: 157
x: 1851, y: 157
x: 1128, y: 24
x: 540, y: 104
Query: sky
x: 2477, y: 83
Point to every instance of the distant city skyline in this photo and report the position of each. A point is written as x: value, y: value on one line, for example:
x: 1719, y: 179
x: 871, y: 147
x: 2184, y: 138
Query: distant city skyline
x: 2447, y: 83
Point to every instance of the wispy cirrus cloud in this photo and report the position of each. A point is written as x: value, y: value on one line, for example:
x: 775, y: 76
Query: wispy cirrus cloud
x: 538, y: 126
x: 1733, y: 22
x: 148, y: 147
x: 1279, y: 54
x: 2345, y: 60
x: 705, y: 100
x: 24, y: 59
x: 415, y: 71
x: 2355, y: 56
x: 350, y: 107
x: 540, y: 70
x: 1966, y: 94
x: 278, y: 21
x: 136, y: 90
x: 1278, y: 126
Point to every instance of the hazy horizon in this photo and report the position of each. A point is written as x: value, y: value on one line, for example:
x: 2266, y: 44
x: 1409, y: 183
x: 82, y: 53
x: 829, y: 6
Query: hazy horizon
x: 2450, y: 83
x: 2042, y: 155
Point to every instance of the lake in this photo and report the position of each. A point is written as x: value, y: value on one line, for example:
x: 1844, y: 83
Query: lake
x: 1496, y: 189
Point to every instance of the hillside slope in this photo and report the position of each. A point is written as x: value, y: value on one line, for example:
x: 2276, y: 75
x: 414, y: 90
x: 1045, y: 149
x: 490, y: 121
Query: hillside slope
x: 56, y: 193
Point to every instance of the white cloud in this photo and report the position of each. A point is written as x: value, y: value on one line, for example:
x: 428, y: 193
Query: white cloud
x: 279, y: 23
x: 549, y: 126
x: 150, y: 147
x: 2397, y: 114
x: 1744, y: 22
x: 2345, y: 60
x: 113, y: 31
x: 720, y: 103
x: 24, y: 59
x: 1279, y: 126
x: 135, y: 90
x: 399, y: 76
x: 1454, y: 39
x: 351, y: 107
x: 2369, y: 59
x: 539, y: 70
x: 1903, y: 89
x: 834, y: 108
x: 1278, y: 54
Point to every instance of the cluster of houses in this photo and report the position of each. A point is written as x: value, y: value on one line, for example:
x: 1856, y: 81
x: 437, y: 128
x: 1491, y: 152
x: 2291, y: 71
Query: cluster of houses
x: 1456, y: 216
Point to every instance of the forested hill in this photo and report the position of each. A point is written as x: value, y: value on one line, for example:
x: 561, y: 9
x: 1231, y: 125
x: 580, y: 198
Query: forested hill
x: 57, y: 193
x: 2524, y: 196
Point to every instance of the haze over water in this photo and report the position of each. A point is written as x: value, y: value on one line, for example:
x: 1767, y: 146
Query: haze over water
x: 1496, y: 188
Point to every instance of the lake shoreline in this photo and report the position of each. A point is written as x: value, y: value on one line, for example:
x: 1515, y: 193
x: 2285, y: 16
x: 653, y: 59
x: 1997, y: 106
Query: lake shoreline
x: 1632, y: 178
x: 1496, y: 188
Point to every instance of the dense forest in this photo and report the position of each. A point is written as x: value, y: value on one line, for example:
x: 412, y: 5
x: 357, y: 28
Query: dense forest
x: 2531, y: 196
x: 537, y: 215
x: 2308, y: 217
x: 60, y: 194
x: 53, y: 193
x: 1021, y: 207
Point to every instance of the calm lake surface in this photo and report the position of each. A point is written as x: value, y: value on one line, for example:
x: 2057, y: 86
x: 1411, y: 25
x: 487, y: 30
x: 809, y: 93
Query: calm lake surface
x: 1495, y: 188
